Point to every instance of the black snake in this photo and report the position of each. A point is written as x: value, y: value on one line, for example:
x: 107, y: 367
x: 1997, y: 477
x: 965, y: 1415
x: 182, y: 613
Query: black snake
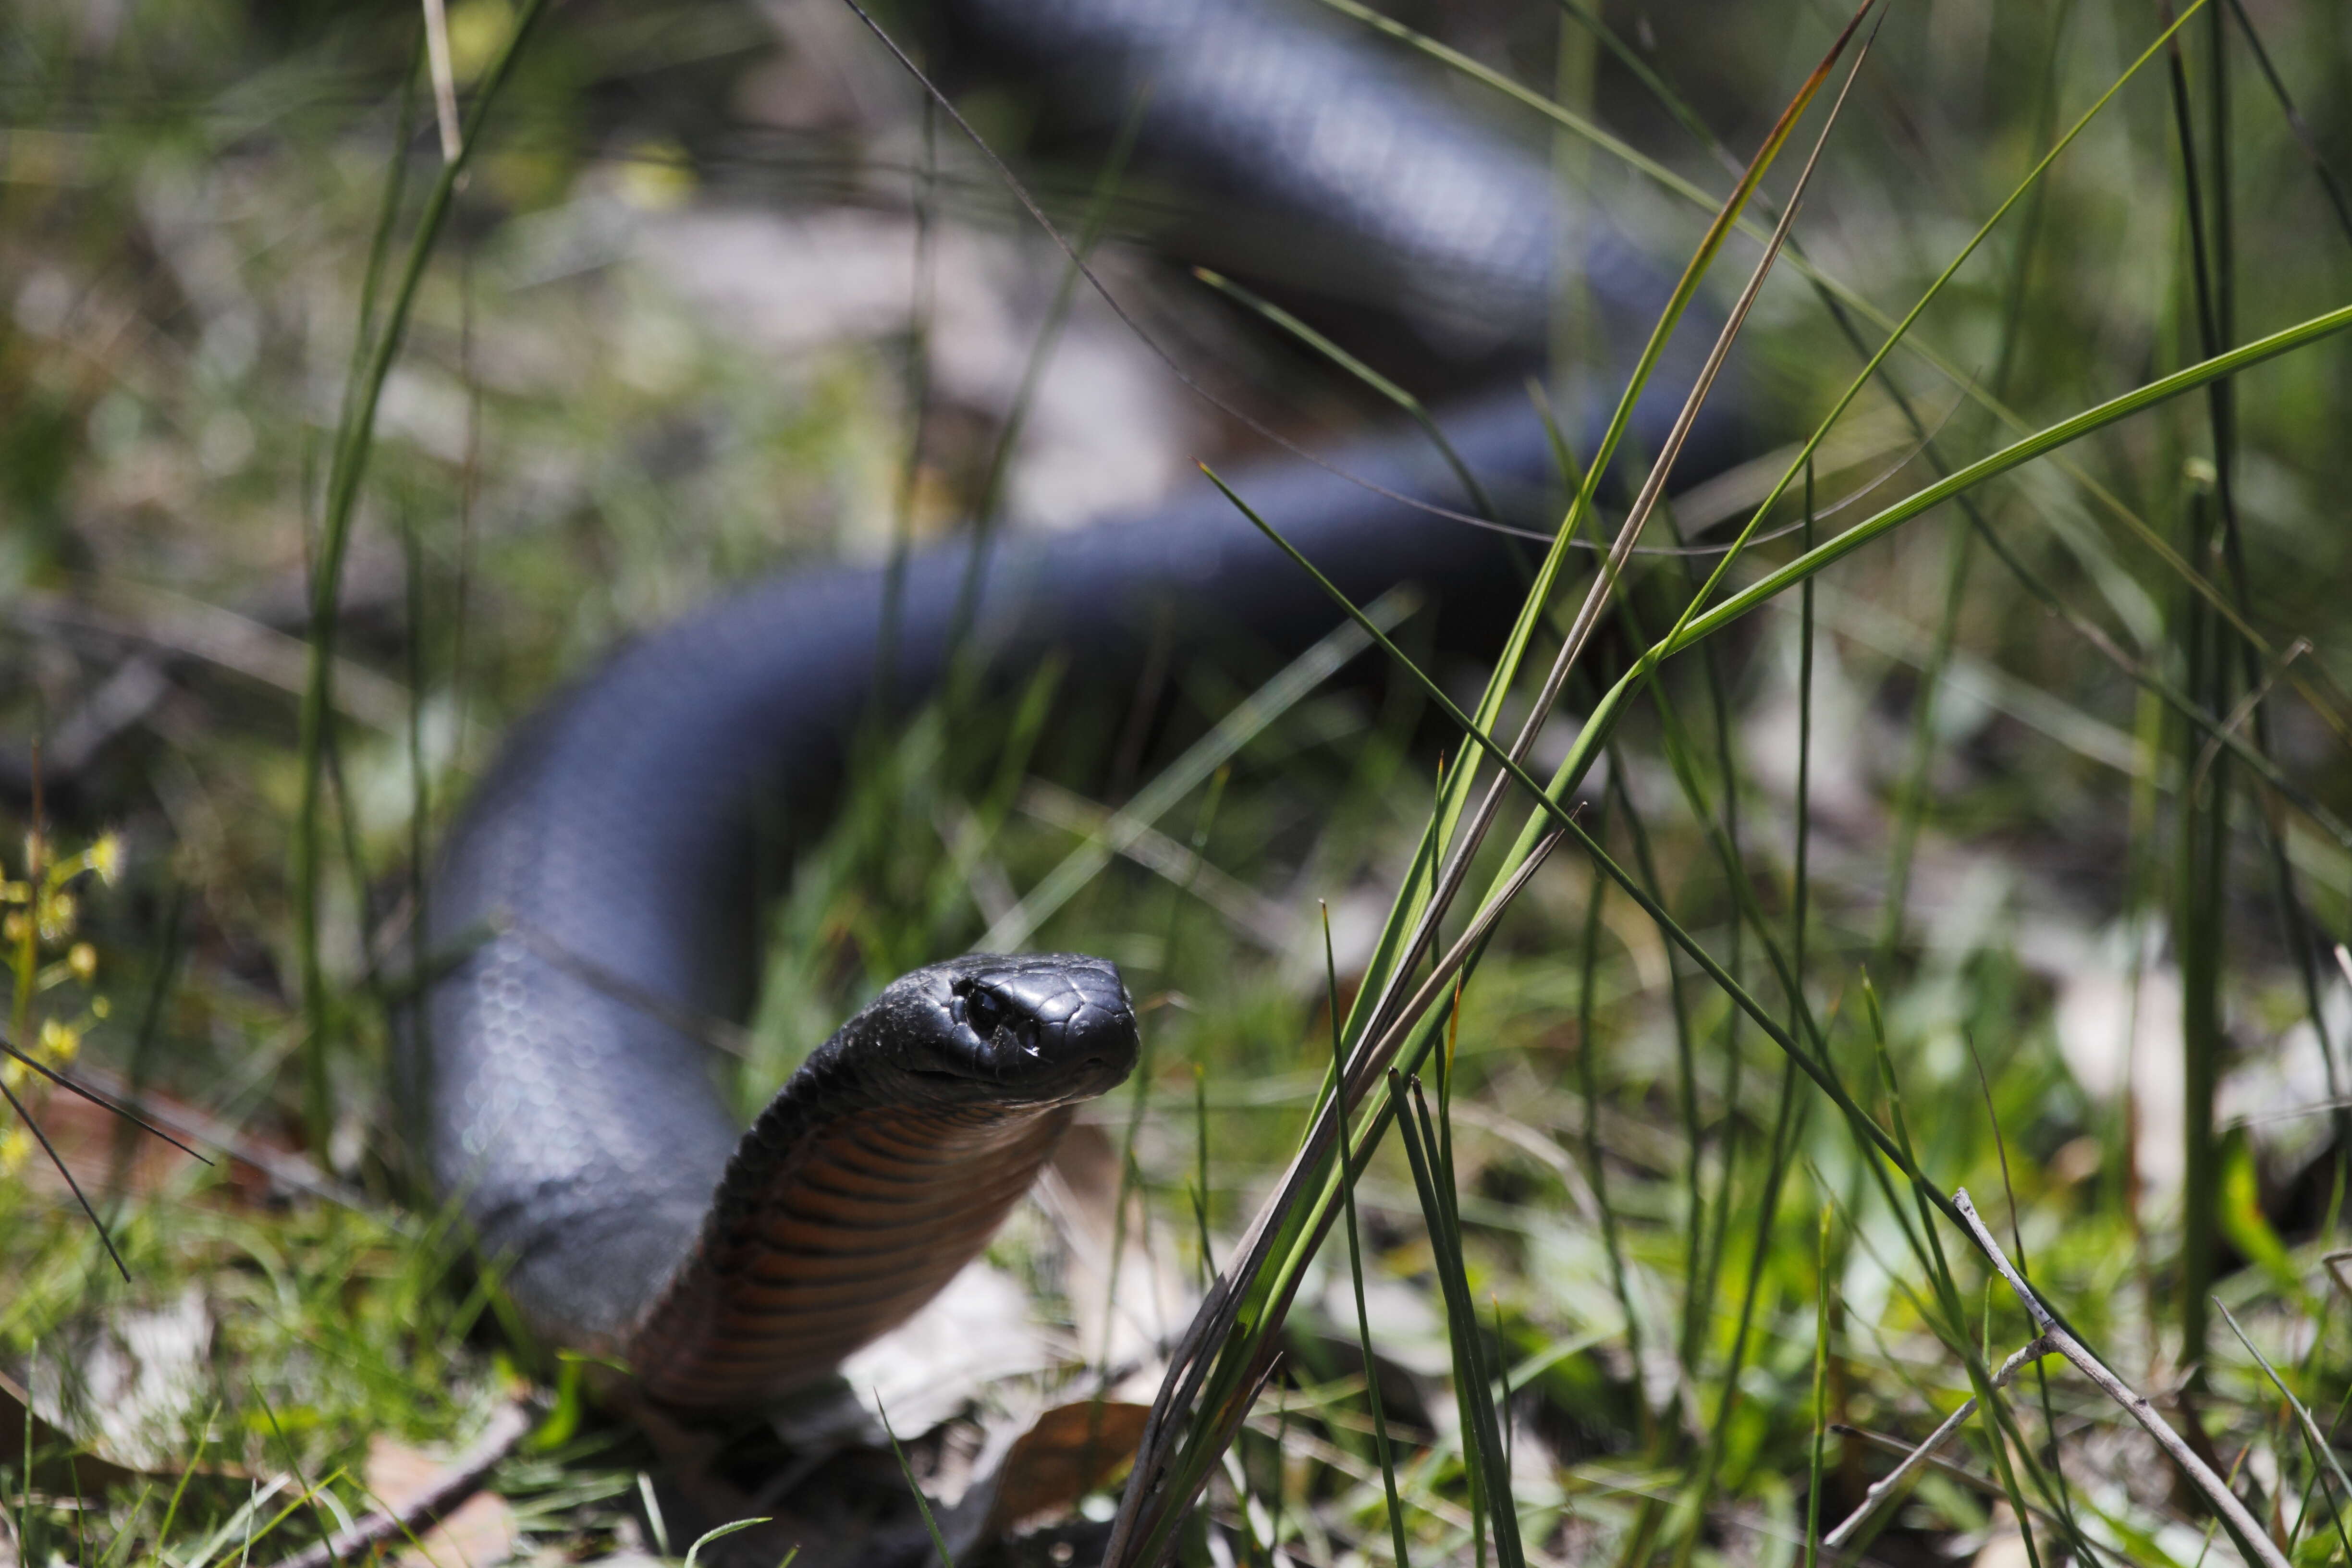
x: 563, y: 1101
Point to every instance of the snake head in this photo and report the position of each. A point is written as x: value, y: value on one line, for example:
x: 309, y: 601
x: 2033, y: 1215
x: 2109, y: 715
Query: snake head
x: 1032, y: 1028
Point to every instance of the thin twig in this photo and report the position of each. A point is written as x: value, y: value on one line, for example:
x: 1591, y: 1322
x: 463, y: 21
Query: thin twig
x: 462, y: 1478
x: 1885, y: 1487
x: 57, y: 1160
x: 1986, y: 1485
x: 2252, y: 1535
x: 284, y: 1167
x: 99, y: 1098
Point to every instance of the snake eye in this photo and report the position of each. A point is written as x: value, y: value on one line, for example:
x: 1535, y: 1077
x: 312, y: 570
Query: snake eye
x: 984, y: 1011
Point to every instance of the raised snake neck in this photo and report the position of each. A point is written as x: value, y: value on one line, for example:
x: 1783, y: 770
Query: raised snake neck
x: 555, y: 1093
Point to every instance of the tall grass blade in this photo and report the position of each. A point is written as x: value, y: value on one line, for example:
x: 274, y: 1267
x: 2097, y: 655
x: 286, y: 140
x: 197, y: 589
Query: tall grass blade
x: 1091, y: 229
x: 916, y: 389
x: 2048, y: 440
x: 1385, y: 1453
x: 1225, y: 1385
x: 1812, y: 1557
x: 1596, y: 1169
x: 922, y: 1503
x: 1413, y: 407
x: 2296, y: 123
x: 2200, y: 877
x: 1490, y: 1476
x: 1901, y: 329
x: 1465, y: 843
x: 2323, y: 1452
x: 1139, y: 1100
x: 693, y: 1553
x: 354, y: 441
x: 1548, y: 800
x: 1284, y: 691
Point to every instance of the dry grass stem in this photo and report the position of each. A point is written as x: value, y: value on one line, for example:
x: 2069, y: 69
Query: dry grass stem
x: 2201, y: 1474
x: 1885, y: 1487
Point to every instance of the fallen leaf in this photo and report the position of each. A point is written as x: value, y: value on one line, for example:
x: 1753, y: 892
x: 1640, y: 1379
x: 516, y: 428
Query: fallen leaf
x: 1067, y: 1452
x: 480, y: 1532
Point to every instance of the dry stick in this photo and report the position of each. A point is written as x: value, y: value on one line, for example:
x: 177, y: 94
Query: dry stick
x: 1885, y: 1487
x: 1985, y: 1485
x: 2225, y: 1503
x: 462, y: 1478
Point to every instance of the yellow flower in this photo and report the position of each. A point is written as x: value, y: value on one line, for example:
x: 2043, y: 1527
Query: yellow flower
x: 82, y: 959
x: 106, y: 857
x: 59, y: 1041
x: 59, y: 912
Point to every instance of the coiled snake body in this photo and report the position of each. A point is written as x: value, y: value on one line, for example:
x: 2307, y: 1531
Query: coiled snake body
x: 557, y: 1096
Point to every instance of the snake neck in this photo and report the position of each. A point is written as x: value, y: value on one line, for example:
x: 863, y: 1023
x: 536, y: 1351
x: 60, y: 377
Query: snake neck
x: 822, y: 1241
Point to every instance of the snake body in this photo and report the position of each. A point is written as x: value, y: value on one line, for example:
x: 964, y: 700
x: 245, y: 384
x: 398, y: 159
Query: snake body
x: 591, y: 889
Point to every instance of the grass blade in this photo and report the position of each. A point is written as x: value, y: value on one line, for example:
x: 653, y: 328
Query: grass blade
x: 1490, y: 1477
x: 1347, y: 1173
x: 1412, y: 406
x: 354, y: 441
x: 1187, y: 772
x: 2323, y: 1452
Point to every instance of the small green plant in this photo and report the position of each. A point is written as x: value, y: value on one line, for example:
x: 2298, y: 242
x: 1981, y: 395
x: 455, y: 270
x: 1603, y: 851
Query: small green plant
x: 46, y: 954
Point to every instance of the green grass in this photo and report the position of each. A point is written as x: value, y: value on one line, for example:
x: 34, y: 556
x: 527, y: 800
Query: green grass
x: 1664, y: 1243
